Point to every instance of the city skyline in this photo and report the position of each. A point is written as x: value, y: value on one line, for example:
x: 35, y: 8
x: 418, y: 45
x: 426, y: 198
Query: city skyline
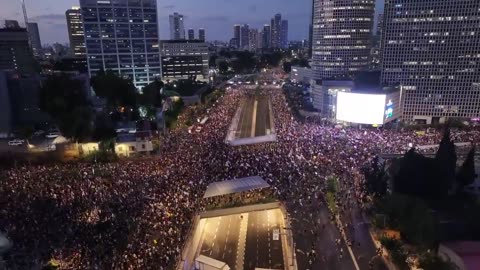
x: 50, y: 16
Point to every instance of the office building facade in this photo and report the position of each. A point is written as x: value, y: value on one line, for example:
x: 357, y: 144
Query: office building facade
x: 266, y: 37
x: 236, y: 35
x: 177, y: 27
x: 431, y: 50
x: 75, y: 32
x: 253, y: 40
x: 34, y: 36
x: 184, y: 59
x: 191, y: 34
x: 276, y: 31
x: 244, y: 37
x: 15, y: 52
x: 284, y: 35
x: 201, y: 34
x: 341, y: 37
x: 122, y: 36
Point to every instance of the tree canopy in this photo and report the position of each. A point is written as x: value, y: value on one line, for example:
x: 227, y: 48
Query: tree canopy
x: 118, y: 92
x: 65, y: 100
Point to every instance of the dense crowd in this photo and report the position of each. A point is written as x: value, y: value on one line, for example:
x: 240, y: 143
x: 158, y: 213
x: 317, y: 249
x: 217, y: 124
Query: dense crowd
x: 136, y: 214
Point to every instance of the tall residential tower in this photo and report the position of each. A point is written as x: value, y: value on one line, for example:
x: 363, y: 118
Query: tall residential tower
x: 75, y: 32
x: 432, y: 50
x: 341, y: 37
x: 177, y: 28
x: 122, y: 36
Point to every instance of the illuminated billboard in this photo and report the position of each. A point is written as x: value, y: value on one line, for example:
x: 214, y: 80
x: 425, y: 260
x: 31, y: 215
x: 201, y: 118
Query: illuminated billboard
x: 361, y: 108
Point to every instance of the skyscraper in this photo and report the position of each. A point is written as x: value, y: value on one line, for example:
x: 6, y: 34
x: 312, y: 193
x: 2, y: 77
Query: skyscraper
x: 266, y: 37
x: 310, y: 32
x: 276, y: 31
x: 34, y: 36
x: 201, y: 34
x: 191, y: 34
x: 284, y: 35
x: 244, y: 37
x: 122, y: 36
x: 177, y: 28
x: 15, y: 52
x: 431, y: 49
x: 341, y: 37
x: 236, y: 34
x: 253, y: 40
x: 75, y: 32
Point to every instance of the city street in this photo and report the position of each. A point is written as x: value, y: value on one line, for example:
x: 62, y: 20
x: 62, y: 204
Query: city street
x: 245, y: 241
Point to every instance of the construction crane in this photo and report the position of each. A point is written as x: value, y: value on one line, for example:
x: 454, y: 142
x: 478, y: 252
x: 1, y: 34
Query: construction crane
x: 25, y: 13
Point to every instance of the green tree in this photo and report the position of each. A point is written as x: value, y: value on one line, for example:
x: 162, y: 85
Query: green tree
x: 430, y: 261
x: 223, y: 67
x: 118, y: 92
x: 151, y: 94
x: 466, y: 175
x: 376, y: 179
x: 104, y: 128
x: 446, y: 160
x: 65, y: 100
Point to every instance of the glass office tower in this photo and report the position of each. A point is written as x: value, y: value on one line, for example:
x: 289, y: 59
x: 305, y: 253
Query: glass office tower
x: 122, y: 35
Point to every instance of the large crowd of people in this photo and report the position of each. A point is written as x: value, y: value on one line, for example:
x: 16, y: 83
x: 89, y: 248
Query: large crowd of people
x: 136, y: 214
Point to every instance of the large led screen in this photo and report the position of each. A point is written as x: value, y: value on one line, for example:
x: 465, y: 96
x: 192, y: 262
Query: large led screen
x: 360, y: 108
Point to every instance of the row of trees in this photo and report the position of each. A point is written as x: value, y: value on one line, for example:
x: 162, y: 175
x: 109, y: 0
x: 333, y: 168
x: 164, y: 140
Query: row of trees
x: 423, y: 177
x: 239, y: 62
x: 66, y: 100
x: 423, y: 192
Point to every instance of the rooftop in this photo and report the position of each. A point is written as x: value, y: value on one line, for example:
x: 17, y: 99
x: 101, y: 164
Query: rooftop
x: 235, y: 186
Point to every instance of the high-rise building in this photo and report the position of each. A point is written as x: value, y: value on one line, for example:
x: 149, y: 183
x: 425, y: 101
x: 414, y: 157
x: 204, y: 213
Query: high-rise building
x: 177, y: 28
x: 236, y: 35
x: 201, y: 34
x: 284, y: 35
x: 15, y: 52
x: 122, y: 36
x: 276, y: 31
x: 266, y: 37
x: 380, y: 25
x: 11, y: 24
x: 310, y: 32
x: 75, y: 32
x: 253, y: 40
x: 431, y: 49
x: 34, y: 36
x: 244, y: 37
x: 191, y: 34
x: 184, y: 59
x: 341, y: 37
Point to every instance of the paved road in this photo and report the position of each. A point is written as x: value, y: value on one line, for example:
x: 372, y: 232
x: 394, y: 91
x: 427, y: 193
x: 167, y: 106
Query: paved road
x: 257, y: 105
x: 317, y: 232
x: 244, y: 129
x: 262, y: 117
x: 221, y: 239
x: 262, y: 251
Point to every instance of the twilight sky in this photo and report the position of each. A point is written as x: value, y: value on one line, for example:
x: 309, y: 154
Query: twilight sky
x: 216, y: 16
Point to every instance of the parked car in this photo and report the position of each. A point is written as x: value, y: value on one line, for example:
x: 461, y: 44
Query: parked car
x: 16, y: 142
